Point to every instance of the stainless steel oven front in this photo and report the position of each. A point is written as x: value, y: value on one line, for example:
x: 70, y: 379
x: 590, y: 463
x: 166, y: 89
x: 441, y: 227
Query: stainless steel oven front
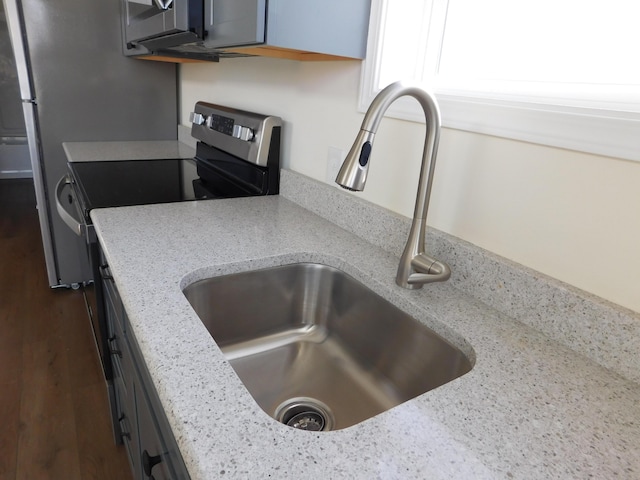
x: 77, y: 219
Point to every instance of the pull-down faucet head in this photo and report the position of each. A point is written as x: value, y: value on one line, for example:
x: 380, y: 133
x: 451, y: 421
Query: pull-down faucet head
x: 353, y: 173
x: 416, y: 267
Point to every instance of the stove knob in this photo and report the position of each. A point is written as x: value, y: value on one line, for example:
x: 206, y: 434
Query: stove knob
x: 243, y: 133
x: 196, y: 118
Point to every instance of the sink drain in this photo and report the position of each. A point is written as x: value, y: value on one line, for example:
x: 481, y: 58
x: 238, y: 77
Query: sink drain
x: 305, y: 413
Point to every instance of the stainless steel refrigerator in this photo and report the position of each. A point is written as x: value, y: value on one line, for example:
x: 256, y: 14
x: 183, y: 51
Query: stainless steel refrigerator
x: 14, y: 151
x: 76, y: 85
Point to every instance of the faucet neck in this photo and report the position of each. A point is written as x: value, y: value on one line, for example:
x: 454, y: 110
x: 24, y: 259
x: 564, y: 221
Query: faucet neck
x: 416, y: 267
x: 427, y: 101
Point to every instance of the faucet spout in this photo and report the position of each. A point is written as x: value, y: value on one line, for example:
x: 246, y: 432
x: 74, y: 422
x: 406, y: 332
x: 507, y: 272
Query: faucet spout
x: 416, y: 267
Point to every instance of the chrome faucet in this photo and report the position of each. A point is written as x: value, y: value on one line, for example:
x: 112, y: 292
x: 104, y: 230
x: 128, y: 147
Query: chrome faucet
x: 416, y: 267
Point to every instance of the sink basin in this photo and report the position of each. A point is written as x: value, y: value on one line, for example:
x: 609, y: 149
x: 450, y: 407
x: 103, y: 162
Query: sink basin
x: 317, y: 349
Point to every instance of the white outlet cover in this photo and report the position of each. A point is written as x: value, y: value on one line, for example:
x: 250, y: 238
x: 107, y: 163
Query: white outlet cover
x: 335, y: 157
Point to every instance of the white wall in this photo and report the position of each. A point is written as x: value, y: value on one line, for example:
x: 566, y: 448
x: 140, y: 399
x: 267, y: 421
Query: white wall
x: 573, y: 216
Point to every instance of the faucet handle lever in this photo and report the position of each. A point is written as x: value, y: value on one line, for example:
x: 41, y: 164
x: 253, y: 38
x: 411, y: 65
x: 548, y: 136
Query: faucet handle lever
x: 427, y: 270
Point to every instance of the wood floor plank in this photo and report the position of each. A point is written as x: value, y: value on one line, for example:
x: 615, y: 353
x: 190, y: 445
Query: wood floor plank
x: 9, y: 425
x: 47, y: 447
x: 95, y: 439
x: 54, y: 418
x: 14, y: 235
x: 10, y: 345
x: 10, y: 389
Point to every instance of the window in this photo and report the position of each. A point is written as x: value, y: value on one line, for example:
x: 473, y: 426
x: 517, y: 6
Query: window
x: 563, y: 73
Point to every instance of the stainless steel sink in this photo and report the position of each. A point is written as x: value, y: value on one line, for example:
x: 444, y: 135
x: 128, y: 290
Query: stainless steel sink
x: 317, y: 349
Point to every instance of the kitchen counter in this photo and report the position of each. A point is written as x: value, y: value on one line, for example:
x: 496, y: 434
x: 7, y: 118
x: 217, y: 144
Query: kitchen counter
x: 530, y: 408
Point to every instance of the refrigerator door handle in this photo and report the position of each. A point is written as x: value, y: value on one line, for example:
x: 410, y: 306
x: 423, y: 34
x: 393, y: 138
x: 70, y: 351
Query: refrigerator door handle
x: 66, y: 217
x: 14, y: 24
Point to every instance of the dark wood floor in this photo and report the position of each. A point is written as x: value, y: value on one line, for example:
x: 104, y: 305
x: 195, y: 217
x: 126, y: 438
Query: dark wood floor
x: 54, y: 421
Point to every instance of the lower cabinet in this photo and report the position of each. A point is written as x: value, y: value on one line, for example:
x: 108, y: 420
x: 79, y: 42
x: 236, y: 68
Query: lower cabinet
x: 142, y: 425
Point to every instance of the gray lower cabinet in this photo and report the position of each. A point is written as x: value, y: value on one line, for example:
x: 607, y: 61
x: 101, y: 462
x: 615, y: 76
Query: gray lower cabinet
x: 142, y: 424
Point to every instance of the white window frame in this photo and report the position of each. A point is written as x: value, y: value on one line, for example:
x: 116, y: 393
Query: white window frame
x: 608, y: 127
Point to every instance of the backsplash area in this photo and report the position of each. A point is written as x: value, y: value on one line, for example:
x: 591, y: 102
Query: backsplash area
x: 589, y: 325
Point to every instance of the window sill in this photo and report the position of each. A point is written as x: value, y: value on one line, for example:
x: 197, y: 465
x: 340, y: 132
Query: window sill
x: 595, y: 131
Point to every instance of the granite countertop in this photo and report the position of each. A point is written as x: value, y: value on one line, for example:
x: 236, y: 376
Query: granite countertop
x: 530, y: 408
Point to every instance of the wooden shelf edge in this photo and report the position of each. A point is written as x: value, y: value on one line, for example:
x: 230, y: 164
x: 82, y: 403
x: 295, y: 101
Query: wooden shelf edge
x: 287, y: 53
x: 258, y: 51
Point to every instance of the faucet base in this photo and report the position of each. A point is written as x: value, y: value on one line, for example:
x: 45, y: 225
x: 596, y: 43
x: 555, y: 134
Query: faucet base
x: 424, y: 269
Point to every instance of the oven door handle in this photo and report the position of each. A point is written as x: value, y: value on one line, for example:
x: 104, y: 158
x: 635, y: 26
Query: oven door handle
x: 72, y: 223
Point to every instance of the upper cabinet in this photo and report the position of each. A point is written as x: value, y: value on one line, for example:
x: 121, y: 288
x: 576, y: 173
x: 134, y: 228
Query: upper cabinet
x: 177, y: 30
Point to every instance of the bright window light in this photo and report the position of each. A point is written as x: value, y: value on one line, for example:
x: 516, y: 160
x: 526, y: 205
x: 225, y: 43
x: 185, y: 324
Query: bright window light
x: 507, y: 67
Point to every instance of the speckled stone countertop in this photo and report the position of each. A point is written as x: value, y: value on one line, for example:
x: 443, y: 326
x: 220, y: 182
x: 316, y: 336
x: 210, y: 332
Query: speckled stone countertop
x: 530, y: 408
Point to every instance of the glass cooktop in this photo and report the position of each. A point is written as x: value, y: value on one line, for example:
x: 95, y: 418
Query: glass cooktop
x: 139, y: 182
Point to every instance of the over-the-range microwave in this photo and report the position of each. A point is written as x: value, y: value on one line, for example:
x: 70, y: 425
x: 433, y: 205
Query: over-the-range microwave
x: 201, y: 28
x: 157, y: 24
x: 194, y: 27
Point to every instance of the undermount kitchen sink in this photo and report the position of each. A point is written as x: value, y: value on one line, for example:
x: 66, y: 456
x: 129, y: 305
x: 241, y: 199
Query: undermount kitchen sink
x: 317, y: 349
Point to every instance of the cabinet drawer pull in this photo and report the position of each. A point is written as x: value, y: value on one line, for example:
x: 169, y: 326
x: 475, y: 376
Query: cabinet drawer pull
x: 148, y: 462
x: 104, y: 272
x: 123, y: 433
x: 114, y: 350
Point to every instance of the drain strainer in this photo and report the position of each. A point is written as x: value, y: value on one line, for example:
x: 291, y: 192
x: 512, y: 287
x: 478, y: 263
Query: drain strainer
x: 305, y: 413
x: 307, y: 421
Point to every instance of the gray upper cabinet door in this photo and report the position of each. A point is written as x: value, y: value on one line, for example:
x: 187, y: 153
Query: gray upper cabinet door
x: 332, y: 27
x: 336, y: 27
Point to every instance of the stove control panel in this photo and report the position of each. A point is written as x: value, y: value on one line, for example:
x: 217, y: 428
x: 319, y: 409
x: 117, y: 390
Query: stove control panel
x: 243, y: 134
x: 221, y: 124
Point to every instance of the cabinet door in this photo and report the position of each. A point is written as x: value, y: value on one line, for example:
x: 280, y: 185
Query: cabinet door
x: 124, y: 382
x: 155, y: 460
x: 140, y: 421
x: 127, y: 423
x: 235, y: 22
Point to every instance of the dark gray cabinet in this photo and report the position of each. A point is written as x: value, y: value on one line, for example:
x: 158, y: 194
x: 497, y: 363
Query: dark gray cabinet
x: 142, y: 425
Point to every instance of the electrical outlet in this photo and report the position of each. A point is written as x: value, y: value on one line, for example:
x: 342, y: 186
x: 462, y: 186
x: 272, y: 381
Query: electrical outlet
x: 335, y: 157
